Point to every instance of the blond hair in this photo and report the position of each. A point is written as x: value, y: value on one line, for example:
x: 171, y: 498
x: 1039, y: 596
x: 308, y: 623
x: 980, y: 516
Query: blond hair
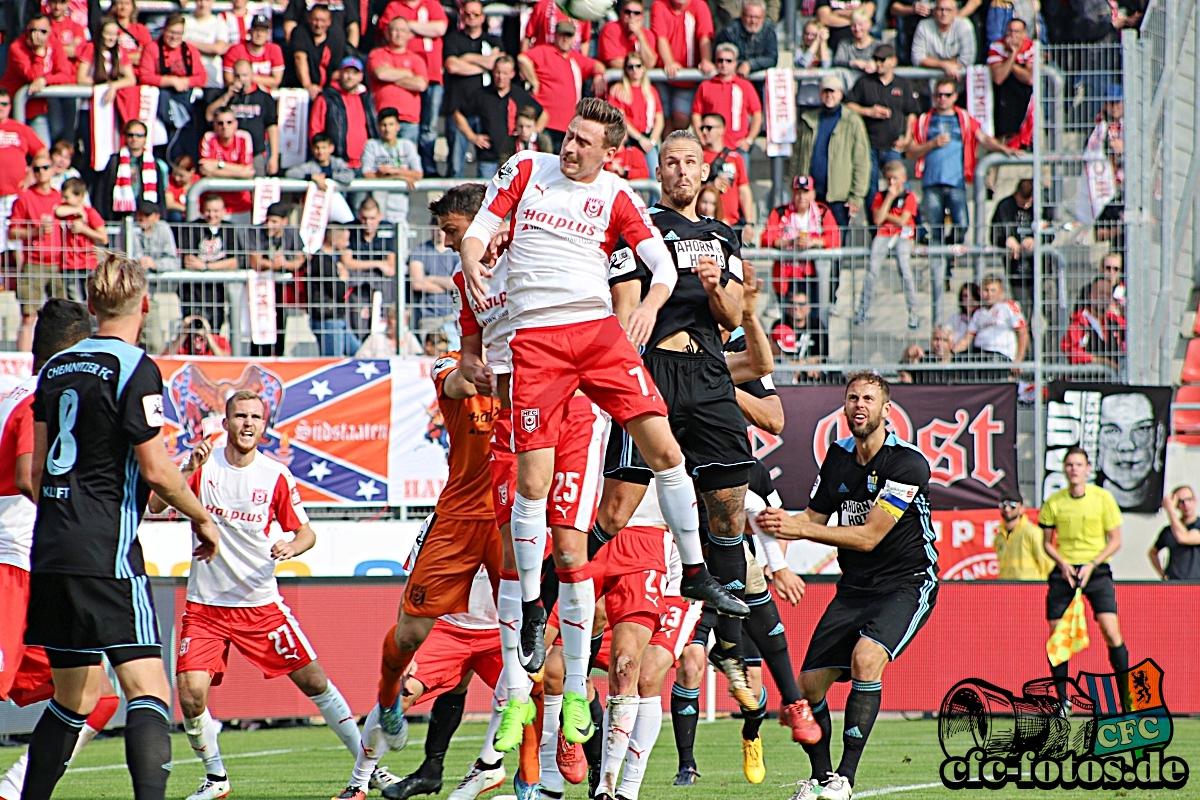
x: 242, y: 395
x: 117, y: 286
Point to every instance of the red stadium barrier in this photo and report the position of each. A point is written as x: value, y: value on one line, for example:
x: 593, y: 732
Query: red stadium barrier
x: 989, y: 630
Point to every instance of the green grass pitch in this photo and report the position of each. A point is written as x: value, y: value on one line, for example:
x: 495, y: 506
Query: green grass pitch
x: 309, y: 763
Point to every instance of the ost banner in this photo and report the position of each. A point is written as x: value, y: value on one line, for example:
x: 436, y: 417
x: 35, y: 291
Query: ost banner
x: 967, y: 434
x: 352, y: 431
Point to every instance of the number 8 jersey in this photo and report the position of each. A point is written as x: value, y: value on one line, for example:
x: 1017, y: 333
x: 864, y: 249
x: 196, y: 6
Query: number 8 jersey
x: 98, y: 399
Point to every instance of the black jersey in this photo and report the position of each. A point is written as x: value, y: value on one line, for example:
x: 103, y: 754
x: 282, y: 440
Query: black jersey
x: 897, y: 480
x: 687, y: 308
x: 759, y: 387
x: 98, y: 399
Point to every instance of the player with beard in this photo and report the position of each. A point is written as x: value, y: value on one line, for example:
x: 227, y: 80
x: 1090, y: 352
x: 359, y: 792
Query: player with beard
x: 879, y: 487
x: 684, y: 356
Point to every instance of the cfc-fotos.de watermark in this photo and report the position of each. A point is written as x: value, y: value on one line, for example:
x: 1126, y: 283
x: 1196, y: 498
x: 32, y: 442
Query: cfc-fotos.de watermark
x: 1112, y: 734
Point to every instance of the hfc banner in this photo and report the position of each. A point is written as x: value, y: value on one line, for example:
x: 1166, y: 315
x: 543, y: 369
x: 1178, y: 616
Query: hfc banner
x: 352, y: 431
x: 968, y: 437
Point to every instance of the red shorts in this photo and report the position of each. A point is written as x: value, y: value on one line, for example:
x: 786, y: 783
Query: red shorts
x: 450, y: 652
x: 550, y: 364
x: 578, y: 466
x: 268, y: 636
x: 677, y: 624
x: 504, y: 468
x: 24, y: 671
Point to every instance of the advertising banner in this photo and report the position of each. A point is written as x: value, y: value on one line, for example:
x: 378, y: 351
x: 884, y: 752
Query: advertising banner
x: 1124, y: 431
x: 968, y: 435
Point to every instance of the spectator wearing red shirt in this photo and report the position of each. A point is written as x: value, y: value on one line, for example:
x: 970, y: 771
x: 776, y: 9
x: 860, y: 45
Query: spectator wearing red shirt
x: 83, y: 231
x: 107, y: 65
x: 734, y: 98
x: 428, y: 22
x: 32, y: 223
x: 183, y: 175
x: 638, y: 99
x: 683, y: 35
x: 265, y: 57
x: 803, y: 224
x: 134, y: 35
x: 555, y: 75
x: 66, y: 32
x: 35, y: 60
x: 398, y: 78
x: 1011, y: 63
x: 727, y: 171
x: 226, y: 152
x: 18, y: 145
x: 1096, y: 331
x: 345, y: 111
x: 626, y: 35
x: 175, y: 67
x: 544, y: 19
x: 629, y: 162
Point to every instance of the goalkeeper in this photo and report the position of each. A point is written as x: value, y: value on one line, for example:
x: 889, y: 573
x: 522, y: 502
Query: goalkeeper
x: 1087, y: 522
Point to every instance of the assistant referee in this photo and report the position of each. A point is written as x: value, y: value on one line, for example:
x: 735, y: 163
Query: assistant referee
x: 1087, y: 521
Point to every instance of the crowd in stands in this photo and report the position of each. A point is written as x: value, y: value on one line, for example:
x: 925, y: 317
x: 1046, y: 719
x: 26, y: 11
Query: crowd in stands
x: 384, y: 82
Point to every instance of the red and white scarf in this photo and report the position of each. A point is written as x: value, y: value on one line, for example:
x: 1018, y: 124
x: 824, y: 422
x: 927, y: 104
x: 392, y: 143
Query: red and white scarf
x: 123, y: 198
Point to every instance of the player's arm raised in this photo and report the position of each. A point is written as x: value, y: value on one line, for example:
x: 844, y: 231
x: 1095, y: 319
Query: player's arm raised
x: 757, y: 360
x: 168, y: 482
x: 725, y: 302
x: 196, y: 460
x: 812, y: 526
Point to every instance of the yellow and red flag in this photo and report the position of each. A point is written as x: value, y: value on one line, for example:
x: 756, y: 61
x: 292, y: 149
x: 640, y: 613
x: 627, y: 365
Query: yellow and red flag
x: 1070, y: 635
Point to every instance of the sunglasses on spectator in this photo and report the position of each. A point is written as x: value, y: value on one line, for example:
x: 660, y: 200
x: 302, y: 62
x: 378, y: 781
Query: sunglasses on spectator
x: 879, y: 59
x: 706, y: 128
x: 726, y: 60
x: 135, y: 135
x: 946, y: 94
x: 39, y: 30
x: 5, y: 103
x: 632, y: 12
x: 41, y: 167
x: 631, y: 67
x: 1009, y: 504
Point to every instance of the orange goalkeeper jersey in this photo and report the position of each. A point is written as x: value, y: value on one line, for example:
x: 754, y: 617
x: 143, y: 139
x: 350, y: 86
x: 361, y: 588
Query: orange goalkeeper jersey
x: 468, y: 490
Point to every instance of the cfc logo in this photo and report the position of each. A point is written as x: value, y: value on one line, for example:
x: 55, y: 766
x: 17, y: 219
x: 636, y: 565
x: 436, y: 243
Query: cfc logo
x: 530, y: 419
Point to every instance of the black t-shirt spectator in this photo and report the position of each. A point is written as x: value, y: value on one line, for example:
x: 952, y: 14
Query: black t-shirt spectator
x: 341, y: 14
x: 899, y: 96
x: 377, y: 248
x: 1184, y: 564
x: 326, y: 291
x: 457, y: 43
x: 1009, y: 219
x: 323, y: 58
x: 497, y: 115
x: 255, y: 112
x: 838, y: 35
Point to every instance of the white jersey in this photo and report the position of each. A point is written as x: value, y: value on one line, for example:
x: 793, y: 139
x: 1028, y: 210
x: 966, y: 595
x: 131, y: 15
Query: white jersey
x: 649, y: 515
x: 17, y: 514
x: 489, y: 318
x: 563, y: 234
x: 996, y: 328
x: 243, y: 501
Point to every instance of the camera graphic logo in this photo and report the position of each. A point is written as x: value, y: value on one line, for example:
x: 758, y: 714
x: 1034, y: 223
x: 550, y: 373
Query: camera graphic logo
x: 1112, y: 733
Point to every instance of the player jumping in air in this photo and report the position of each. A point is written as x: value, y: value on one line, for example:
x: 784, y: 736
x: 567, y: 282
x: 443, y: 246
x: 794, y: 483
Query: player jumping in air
x: 567, y: 214
x: 25, y: 676
x: 98, y: 451
x: 879, y: 487
x: 235, y: 600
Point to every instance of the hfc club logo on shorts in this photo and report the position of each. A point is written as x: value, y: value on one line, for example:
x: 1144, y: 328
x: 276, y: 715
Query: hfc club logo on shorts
x: 530, y: 419
x: 593, y: 207
x: 258, y: 496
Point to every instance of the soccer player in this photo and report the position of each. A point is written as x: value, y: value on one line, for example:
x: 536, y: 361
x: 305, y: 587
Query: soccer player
x: 234, y: 599
x: 1087, y: 521
x: 879, y: 487
x: 568, y: 212
x: 460, y: 538
x: 98, y: 451
x: 25, y: 671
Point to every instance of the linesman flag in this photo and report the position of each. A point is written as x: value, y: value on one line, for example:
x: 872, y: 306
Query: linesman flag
x: 1070, y: 635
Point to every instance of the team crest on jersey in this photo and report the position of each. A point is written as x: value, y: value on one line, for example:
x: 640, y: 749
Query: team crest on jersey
x: 502, y: 491
x: 531, y: 418
x: 872, y: 482
x: 258, y: 496
x: 593, y: 207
